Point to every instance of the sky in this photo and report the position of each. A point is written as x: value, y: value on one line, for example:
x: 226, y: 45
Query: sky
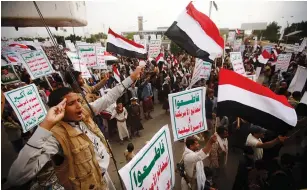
x: 121, y: 15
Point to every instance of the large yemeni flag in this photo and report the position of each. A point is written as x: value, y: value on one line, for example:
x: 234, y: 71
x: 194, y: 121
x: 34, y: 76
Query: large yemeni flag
x: 196, y: 33
x: 241, y: 97
x: 125, y: 47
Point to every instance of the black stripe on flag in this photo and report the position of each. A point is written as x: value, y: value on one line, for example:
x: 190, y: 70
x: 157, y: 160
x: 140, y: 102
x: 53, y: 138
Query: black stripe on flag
x: 179, y: 37
x: 252, y: 115
x: 124, y: 52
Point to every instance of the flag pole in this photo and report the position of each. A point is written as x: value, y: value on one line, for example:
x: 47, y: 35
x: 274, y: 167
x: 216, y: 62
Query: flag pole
x: 210, y: 6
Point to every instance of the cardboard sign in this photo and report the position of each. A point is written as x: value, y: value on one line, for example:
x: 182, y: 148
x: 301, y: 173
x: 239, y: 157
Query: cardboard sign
x: 154, y: 48
x: 299, y: 80
x: 201, y: 70
x: 231, y: 37
x: 101, y: 62
x: 78, y: 64
x: 36, y: 63
x: 283, y: 62
x: 13, y: 58
x: 187, y: 110
x: 237, y: 62
x: 237, y: 44
x: 8, y: 74
x: 70, y: 46
x: 27, y: 105
x: 153, y: 166
x: 88, y: 54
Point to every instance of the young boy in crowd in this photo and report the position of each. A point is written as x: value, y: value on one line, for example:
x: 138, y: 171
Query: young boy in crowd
x: 129, y: 154
x: 134, y: 120
x: 120, y: 113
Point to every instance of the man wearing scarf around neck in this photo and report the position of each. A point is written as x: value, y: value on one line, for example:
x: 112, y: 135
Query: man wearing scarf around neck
x: 71, y: 139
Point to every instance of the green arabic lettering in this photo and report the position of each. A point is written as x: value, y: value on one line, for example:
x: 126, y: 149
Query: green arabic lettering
x: 30, y: 92
x: 30, y: 56
x: 42, y: 115
x: 22, y: 95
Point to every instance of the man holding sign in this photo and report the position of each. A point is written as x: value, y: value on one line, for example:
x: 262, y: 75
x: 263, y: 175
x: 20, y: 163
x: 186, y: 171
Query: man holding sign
x: 69, y: 136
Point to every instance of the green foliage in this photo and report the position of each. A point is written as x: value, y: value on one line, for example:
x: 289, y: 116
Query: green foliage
x: 100, y: 35
x: 60, y: 40
x: 92, y: 39
x: 175, y: 49
x: 271, y: 32
x: 296, y: 27
x: 130, y: 35
x: 73, y: 38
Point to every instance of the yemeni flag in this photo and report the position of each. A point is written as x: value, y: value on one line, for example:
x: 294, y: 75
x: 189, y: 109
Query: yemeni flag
x: 160, y: 57
x: 264, y: 57
x: 125, y: 47
x: 241, y: 97
x: 196, y: 33
x: 301, y: 108
x: 116, y: 73
x: 237, y: 31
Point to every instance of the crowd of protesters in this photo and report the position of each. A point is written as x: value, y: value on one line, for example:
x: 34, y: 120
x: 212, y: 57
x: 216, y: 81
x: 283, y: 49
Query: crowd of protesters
x: 174, y: 75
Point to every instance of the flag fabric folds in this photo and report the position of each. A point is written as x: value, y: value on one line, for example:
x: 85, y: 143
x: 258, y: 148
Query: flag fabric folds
x: 264, y: 57
x: 196, y: 33
x: 241, y: 97
x: 116, y: 73
x: 160, y: 57
x: 125, y: 47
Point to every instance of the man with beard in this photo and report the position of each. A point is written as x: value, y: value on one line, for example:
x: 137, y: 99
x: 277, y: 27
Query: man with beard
x: 71, y: 139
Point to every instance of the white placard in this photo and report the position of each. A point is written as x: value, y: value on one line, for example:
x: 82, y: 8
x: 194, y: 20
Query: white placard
x: 154, y: 48
x: 283, y: 62
x: 299, y: 80
x: 88, y: 54
x: 13, y: 58
x: 78, y: 64
x: 153, y: 37
x: 153, y: 166
x: 237, y: 44
x: 187, y: 110
x: 101, y: 62
x: 136, y: 38
x: 36, y: 63
x: 258, y: 70
x: 237, y: 62
x: 201, y: 70
x: 303, y: 45
x: 27, y: 105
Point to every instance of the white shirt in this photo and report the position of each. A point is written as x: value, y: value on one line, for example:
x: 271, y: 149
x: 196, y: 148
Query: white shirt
x: 252, y: 142
x: 190, y: 158
x: 120, y: 116
x: 42, y: 145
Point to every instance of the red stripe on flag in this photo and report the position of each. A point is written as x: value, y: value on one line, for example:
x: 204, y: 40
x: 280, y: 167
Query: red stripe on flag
x: 206, y: 24
x: 125, y: 39
x: 232, y: 78
x: 19, y: 45
x: 265, y: 54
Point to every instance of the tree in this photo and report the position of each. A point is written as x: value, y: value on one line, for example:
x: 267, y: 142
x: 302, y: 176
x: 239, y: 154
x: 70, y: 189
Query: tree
x: 100, y: 35
x: 296, y: 27
x: 73, y: 38
x: 60, y: 40
x: 92, y: 39
x: 175, y: 49
x: 130, y: 35
x: 271, y: 32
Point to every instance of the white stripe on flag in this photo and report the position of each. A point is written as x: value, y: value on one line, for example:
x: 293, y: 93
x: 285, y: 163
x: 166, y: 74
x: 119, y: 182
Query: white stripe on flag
x: 262, y: 103
x: 123, y: 44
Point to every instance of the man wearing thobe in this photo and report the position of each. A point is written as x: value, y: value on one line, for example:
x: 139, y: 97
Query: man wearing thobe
x: 193, y: 165
x: 70, y: 138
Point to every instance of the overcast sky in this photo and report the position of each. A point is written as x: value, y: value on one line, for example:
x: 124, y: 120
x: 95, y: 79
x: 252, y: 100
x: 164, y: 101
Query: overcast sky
x: 121, y: 15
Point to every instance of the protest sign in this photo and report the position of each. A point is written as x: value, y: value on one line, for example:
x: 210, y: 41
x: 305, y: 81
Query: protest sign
x: 153, y: 37
x: 255, y: 43
x: 231, y: 37
x: 201, y: 70
x: 13, y: 58
x: 299, y: 80
x: 258, y: 70
x: 159, y: 37
x: 101, y: 62
x: 36, y: 63
x: 242, y: 48
x: 78, y: 64
x: 237, y: 44
x: 303, y: 45
x: 88, y: 55
x: 283, y: 62
x: 187, y: 109
x: 237, y: 62
x: 154, y: 48
x: 27, y: 105
x: 70, y: 45
x: 153, y: 166
x: 8, y: 75
x: 136, y: 38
